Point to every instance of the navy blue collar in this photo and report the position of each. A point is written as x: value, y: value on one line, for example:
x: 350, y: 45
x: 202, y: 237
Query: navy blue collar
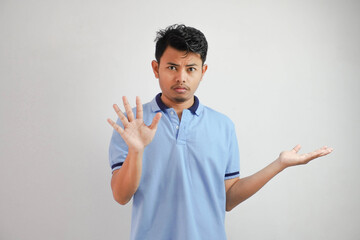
x: 163, y: 107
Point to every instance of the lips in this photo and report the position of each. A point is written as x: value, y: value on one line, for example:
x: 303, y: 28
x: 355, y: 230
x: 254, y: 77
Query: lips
x: 180, y: 89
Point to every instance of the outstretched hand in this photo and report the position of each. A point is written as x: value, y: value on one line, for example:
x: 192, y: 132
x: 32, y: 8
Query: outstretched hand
x: 292, y: 158
x: 135, y: 133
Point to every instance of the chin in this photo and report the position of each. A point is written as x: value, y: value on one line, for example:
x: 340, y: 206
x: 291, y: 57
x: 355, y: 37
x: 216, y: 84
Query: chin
x: 180, y: 99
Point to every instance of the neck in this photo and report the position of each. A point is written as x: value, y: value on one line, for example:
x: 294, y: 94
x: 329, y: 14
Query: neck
x: 178, y: 106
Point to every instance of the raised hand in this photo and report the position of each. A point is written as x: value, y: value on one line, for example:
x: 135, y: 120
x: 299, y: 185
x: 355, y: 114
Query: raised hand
x: 135, y: 133
x: 292, y: 158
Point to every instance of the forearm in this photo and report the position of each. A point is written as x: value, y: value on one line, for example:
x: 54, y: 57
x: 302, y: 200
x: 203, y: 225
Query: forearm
x: 244, y: 188
x: 126, y: 180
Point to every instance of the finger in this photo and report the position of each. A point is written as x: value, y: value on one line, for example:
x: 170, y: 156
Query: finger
x: 129, y: 113
x: 115, y: 126
x: 322, y: 151
x: 121, y: 115
x: 139, y: 108
x: 318, y: 153
x: 155, y: 121
x: 307, y: 157
x: 296, y: 148
x: 310, y: 156
x: 325, y: 151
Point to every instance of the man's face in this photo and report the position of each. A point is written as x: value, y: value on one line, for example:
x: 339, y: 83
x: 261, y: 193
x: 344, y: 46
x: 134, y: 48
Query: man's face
x: 179, y: 75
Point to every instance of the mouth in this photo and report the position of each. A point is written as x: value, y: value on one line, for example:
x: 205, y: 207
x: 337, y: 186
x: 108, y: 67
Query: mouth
x: 180, y: 89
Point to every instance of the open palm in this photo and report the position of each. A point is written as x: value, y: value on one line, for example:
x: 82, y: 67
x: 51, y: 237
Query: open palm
x: 292, y: 157
x: 135, y: 133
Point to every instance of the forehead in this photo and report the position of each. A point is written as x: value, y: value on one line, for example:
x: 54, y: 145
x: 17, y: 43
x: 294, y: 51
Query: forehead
x: 180, y: 57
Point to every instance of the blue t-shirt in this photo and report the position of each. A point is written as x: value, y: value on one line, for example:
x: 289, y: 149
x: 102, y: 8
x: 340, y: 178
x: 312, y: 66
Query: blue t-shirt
x: 182, y: 193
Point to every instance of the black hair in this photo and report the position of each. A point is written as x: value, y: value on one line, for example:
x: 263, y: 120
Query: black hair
x: 182, y: 38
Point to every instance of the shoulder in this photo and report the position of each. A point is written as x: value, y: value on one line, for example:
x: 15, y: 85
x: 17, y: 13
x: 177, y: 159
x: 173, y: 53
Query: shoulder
x: 210, y: 112
x: 216, y: 116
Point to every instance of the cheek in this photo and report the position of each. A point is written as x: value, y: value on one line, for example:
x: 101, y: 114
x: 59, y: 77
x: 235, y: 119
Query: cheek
x: 196, y: 78
x: 164, y: 82
x: 167, y: 78
x: 165, y: 75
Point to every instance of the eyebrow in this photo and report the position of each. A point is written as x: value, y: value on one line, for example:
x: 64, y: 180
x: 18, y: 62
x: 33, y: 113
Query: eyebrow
x: 189, y: 65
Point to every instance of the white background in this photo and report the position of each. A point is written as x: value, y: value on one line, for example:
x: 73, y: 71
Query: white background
x: 285, y: 72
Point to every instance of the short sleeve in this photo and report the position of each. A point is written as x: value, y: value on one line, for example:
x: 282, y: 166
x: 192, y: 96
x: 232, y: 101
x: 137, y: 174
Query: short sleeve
x: 233, y: 158
x: 118, y: 149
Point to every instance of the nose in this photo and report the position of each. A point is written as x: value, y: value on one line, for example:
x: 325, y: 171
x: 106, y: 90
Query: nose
x: 181, y: 76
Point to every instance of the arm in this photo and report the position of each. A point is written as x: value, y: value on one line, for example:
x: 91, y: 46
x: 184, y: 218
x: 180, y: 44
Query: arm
x: 125, y: 181
x: 238, y: 190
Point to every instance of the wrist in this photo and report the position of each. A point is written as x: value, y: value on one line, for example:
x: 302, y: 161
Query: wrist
x: 137, y: 150
x: 280, y: 164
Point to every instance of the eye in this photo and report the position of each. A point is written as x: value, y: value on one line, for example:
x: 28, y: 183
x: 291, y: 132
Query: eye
x: 191, y: 69
x: 172, y: 68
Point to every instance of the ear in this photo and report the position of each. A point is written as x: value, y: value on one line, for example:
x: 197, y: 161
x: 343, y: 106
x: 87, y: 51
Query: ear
x: 155, y: 67
x: 204, y: 69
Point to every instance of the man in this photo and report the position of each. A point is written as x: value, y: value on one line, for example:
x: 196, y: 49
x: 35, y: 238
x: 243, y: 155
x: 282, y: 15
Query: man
x: 179, y: 159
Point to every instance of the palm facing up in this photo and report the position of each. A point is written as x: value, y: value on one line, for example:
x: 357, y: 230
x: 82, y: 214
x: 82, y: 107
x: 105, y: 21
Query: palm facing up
x: 135, y: 133
x: 292, y: 158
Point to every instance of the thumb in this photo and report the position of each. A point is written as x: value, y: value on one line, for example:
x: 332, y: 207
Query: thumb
x: 296, y: 148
